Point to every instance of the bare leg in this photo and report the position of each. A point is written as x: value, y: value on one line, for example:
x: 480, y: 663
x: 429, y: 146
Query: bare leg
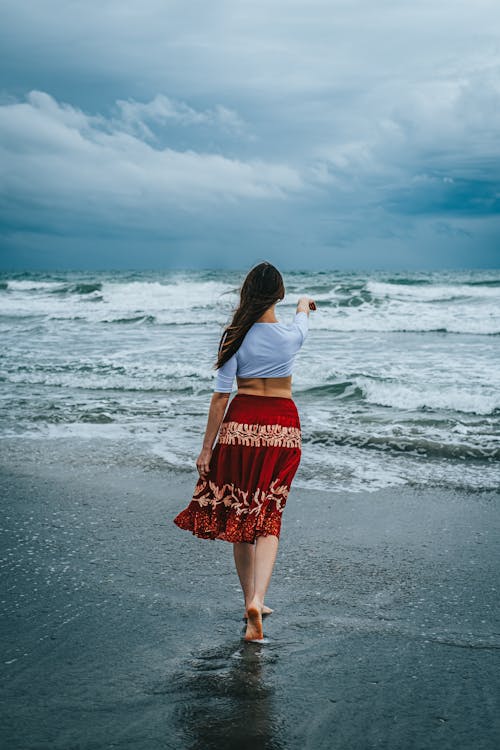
x: 266, y: 548
x: 244, y: 558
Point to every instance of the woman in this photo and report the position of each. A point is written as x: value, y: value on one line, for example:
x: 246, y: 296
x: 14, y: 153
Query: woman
x: 244, y: 480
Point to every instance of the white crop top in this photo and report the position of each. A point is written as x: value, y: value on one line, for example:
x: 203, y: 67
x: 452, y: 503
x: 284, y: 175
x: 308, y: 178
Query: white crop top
x: 267, y: 351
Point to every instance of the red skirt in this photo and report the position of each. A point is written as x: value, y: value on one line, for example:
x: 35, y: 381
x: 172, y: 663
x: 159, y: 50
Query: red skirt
x: 251, y: 470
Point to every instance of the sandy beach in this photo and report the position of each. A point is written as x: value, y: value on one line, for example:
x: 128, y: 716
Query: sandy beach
x: 119, y: 630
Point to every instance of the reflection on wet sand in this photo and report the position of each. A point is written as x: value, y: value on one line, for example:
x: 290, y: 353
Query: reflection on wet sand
x: 226, y: 699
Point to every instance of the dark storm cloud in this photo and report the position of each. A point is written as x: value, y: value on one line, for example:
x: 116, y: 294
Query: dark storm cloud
x: 331, y: 133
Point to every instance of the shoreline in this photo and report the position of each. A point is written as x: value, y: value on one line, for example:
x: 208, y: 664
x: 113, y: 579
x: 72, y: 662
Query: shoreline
x: 121, y: 630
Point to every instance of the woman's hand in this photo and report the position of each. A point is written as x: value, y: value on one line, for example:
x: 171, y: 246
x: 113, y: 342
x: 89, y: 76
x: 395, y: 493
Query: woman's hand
x: 305, y: 304
x: 203, y: 462
x: 216, y: 412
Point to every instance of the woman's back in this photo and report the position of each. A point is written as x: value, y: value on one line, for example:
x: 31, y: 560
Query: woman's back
x: 265, y: 359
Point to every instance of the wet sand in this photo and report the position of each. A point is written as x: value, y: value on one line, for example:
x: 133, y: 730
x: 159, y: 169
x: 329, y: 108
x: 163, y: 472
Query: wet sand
x: 120, y: 630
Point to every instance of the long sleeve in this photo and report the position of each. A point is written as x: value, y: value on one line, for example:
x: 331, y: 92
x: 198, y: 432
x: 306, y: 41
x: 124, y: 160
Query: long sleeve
x: 301, y: 323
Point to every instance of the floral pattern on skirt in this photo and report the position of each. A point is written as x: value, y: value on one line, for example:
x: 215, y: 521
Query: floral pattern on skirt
x: 253, y: 463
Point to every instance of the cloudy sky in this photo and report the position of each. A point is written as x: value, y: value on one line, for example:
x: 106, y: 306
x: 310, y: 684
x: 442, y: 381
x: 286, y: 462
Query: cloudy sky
x: 315, y: 134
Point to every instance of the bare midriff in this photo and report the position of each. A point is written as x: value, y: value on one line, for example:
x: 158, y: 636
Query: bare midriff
x: 281, y: 387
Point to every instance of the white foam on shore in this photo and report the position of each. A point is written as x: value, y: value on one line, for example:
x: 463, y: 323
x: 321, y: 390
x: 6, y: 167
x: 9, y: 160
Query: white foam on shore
x: 175, y: 460
x: 347, y: 468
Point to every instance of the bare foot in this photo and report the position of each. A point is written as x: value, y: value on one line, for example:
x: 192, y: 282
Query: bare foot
x: 254, y: 625
x: 265, y: 611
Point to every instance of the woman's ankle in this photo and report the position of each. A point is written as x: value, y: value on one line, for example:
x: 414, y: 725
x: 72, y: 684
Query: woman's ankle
x: 256, y: 601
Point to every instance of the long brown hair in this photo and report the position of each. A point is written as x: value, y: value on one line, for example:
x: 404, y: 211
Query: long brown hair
x: 263, y: 286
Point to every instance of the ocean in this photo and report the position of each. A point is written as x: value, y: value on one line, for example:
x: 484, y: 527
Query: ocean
x: 398, y: 382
